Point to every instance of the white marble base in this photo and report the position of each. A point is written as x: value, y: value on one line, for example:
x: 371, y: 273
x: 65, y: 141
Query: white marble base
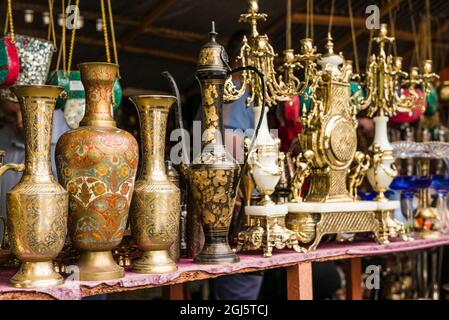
x: 349, y: 206
x: 388, y: 205
x: 320, y: 207
x: 267, y: 210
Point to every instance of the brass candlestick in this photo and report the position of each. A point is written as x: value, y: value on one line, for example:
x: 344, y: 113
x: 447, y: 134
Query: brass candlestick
x: 384, y: 78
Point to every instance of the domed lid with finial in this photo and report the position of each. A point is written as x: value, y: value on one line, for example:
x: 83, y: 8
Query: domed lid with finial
x: 212, y: 54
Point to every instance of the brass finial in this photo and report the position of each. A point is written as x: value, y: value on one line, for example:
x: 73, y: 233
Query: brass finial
x: 329, y: 44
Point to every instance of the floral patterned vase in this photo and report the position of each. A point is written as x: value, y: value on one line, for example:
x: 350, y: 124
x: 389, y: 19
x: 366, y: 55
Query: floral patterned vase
x: 97, y: 164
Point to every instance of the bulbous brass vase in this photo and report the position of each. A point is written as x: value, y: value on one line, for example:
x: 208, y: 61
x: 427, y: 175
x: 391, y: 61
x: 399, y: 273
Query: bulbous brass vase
x: 97, y: 164
x: 155, y: 207
x: 37, y: 205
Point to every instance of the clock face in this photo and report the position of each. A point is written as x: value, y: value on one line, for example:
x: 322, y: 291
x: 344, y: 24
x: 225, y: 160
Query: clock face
x: 338, y: 142
x: 343, y: 141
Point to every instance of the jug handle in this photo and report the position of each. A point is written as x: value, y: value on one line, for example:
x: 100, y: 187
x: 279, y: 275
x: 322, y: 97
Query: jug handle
x: 19, y: 167
x: 178, y: 116
x: 256, y: 131
x: 3, y: 169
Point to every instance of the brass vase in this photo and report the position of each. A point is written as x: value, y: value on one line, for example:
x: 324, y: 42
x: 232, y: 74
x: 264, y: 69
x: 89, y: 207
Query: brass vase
x: 37, y: 205
x: 213, y: 173
x: 97, y: 164
x: 155, y: 207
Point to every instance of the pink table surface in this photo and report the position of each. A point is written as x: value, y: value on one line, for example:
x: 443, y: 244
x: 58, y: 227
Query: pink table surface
x: 72, y: 289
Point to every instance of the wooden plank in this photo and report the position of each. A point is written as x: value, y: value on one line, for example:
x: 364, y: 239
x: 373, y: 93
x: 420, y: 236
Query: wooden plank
x: 165, y: 55
x: 323, y: 20
x: 299, y: 281
x: 354, y: 279
x: 174, y: 292
x: 25, y: 295
x: 154, y: 13
x: 160, y: 32
x: 298, y: 263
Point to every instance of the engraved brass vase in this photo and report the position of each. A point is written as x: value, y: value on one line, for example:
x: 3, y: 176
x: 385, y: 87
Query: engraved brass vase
x: 213, y: 173
x: 37, y: 205
x: 155, y: 207
x: 97, y: 164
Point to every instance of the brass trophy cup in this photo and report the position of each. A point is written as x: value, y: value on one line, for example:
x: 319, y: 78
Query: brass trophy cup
x: 155, y: 207
x: 37, y: 205
x: 213, y: 173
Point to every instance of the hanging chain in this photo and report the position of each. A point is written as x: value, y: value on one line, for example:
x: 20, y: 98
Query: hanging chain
x: 51, y: 26
x: 311, y: 19
x: 72, y: 39
x: 331, y: 17
x: 429, y: 30
x: 111, y: 23
x: 288, y: 28
x: 393, y: 29
x: 415, y: 34
x: 307, y: 19
x: 9, y: 22
x: 370, y: 45
x: 354, y: 40
x: 62, y: 44
x: 114, y: 46
x: 105, y: 32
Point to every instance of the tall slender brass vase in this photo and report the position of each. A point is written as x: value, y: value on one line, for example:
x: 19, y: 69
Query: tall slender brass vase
x: 155, y: 207
x: 97, y: 164
x: 37, y: 205
x: 213, y: 173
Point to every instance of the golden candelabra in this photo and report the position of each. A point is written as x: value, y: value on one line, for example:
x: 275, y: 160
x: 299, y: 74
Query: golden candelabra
x: 256, y: 51
x: 385, y: 78
x: 264, y: 159
x: 329, y: 156
x: 385, y: 82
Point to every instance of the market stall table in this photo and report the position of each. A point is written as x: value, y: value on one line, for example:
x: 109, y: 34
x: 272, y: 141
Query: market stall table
x: 299, y: 272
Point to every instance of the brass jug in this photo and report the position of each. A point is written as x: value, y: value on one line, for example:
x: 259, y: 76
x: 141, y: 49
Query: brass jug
x: 97, y: 164
x: 37, y: 205
x: 155, y: 207
x: 213, y: 174
x: 173, y: 176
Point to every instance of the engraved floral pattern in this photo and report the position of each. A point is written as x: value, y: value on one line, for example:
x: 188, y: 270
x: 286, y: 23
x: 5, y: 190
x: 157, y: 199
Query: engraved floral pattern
x: 103, y: 161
